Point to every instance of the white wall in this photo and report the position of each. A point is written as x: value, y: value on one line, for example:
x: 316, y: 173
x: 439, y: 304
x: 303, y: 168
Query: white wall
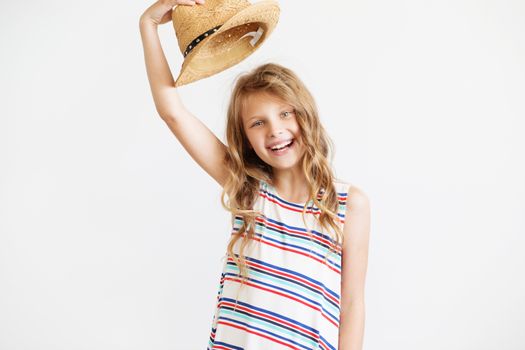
x: 111, y: 236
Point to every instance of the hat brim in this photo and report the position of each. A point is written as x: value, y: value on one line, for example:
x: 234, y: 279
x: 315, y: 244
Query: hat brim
x: 225, y: 47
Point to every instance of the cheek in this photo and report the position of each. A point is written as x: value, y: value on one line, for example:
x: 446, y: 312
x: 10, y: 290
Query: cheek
x: 299, y: 138
x: 296, y: 128
x: 297, y: 131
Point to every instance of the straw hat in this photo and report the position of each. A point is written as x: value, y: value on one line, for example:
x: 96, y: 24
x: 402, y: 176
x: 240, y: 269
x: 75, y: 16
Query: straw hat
x: 220, y: 33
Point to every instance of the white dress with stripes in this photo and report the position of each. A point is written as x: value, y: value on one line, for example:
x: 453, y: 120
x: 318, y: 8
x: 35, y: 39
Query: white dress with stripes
x: 292, y: 297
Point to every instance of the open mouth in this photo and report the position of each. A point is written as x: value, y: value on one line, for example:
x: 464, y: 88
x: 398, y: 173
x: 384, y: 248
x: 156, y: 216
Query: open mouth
x: 283, y: 148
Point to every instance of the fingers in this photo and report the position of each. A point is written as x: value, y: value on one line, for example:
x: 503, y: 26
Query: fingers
x: 190, y: 2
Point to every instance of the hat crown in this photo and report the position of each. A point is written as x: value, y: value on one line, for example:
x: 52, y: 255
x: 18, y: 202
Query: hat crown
x: 191, y: 21
x: 219, y: 34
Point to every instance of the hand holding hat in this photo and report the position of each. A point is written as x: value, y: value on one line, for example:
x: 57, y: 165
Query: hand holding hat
x: 161, y: 11
x: 216, y: 34
x: 220, y: 33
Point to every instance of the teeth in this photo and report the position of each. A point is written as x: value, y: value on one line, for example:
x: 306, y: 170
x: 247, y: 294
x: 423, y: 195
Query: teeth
x: 282, y: 145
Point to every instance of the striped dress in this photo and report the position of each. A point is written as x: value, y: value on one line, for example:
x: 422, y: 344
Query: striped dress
x: 292, y: 297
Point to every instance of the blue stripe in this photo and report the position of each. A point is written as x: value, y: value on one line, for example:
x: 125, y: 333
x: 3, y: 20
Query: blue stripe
x: 290, y: 280
x: 228, y: 345
x: 300, y: 248
x: 292, y: 272
x: 264, y: 331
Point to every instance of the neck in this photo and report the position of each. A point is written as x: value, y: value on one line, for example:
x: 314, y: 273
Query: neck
x: 291, y: 184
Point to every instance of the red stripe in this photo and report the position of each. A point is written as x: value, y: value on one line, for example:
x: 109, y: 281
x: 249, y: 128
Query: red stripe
x: 317, y: 238
x: 298, y: 252
x: 296, y: 278
x: 315, y: 211
x: 286, y: 296
x: 259, y: 334
x: 308, y: 211
x: 251, y: 311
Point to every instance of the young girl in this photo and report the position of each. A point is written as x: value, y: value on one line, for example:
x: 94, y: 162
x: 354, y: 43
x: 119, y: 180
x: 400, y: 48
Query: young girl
x: 295, y: 266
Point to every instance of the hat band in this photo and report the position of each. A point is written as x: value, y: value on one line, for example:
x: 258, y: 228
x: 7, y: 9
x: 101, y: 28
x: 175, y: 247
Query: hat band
x: 198, y: 39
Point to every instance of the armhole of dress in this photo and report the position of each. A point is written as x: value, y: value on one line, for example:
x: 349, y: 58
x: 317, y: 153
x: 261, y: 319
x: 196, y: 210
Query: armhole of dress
x: 345, y: 188
x: 263, y: 185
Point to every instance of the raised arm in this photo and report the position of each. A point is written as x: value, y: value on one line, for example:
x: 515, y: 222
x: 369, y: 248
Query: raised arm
x: 196, y: 138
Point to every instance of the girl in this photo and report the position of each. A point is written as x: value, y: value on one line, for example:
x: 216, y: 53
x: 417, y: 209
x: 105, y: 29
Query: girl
x: 295, y: 266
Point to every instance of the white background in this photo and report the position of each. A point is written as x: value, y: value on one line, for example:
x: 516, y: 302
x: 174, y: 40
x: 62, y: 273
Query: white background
x: 111, y: 236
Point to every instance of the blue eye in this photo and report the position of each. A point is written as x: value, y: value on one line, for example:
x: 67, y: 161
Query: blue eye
x: 256, y: 123
x: 287, y: 113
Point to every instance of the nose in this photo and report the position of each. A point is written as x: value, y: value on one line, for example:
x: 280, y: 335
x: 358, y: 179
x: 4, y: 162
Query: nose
x: 276, y: 128
x: 276, y: 133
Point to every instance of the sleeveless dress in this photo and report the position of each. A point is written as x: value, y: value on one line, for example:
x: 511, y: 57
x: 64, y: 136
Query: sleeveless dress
x: 292, y: 297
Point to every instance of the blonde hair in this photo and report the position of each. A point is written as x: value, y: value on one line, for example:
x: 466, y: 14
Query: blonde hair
x: 246, y: 169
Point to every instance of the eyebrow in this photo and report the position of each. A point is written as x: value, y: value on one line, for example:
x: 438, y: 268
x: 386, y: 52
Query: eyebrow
x: 281, y: 106
x: 254, y: 117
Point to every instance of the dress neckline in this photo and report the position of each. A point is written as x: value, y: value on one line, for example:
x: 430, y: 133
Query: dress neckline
x: 273, y: 190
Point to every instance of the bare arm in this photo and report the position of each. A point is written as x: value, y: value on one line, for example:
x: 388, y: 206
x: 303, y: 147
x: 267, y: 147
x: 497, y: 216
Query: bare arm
x: 196, y: 138
x: 355, y: 261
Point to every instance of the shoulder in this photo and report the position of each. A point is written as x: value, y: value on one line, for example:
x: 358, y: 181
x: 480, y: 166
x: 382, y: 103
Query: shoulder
x: 357, y: 199
x: 354, y: 197
x: 356, y: 227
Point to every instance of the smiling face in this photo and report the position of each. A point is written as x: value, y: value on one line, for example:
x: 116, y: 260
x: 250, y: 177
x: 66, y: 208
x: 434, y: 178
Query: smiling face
x: 272, y: 130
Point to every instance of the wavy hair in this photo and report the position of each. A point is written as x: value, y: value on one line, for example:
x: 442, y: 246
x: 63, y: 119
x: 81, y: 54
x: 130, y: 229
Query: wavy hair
x: 246, y: 169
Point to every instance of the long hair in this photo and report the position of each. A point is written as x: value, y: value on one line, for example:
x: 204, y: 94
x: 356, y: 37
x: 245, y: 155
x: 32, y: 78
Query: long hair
x: 246, y: 169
